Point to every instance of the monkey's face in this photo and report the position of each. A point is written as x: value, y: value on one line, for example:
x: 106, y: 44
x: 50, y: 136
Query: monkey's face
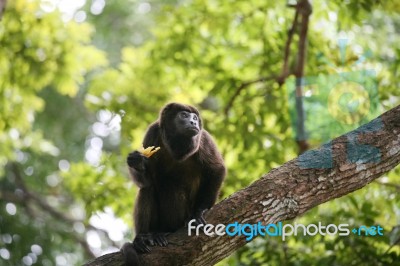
x: 187, y: 123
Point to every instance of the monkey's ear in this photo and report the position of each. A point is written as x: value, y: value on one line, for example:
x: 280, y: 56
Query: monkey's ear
x: 165, y: 113
x: 167, y: 109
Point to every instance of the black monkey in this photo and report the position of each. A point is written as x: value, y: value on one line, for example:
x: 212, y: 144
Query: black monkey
x: 178, y: 183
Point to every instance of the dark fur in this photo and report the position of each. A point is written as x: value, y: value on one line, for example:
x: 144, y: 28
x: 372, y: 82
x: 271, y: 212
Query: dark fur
x: 178, y: 183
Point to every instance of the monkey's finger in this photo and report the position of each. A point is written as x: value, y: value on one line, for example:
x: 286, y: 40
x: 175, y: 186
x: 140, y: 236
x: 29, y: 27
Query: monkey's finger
x: 144, y: 248
x: 155, y: 240
x: 141, y: 247
x: 159, y: 242
x: 162, y: 240
x: 150, y: 241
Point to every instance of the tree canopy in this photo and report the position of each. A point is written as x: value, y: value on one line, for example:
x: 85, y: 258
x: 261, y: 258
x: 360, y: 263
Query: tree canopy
x: 81, y: 80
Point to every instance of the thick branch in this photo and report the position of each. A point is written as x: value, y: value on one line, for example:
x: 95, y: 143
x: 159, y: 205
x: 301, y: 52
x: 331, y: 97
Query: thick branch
x: 340, y: 167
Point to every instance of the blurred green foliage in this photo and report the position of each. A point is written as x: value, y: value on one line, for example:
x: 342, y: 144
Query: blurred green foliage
x: 76, y: 98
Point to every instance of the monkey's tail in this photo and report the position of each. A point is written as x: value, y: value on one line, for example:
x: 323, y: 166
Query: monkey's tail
x: 130, y: 255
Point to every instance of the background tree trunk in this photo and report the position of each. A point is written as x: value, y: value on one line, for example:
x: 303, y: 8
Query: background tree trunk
x: 340, y: 167
x: 2, y: 7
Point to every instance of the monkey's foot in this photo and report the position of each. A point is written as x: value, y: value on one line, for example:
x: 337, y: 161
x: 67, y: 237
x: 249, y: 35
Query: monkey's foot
x: 158, y: 239
x: 143, y: 242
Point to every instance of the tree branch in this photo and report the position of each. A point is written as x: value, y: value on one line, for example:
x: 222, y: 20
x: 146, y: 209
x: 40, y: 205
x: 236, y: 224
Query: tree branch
x: 305, y: 9
x: 340, y: 167
x: 397, y: 242
x: 30, y: 196
x: 242, y: 87
x: 285, y: 68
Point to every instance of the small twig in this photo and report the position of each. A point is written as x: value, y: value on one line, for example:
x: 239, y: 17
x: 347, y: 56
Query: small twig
x: 396, y: 186
x: 285, y: 68
x: 391, y: 246
x: 242, y: 87
x: 20, y: 199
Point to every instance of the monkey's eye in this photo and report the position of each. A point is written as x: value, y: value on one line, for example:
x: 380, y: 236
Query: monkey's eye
x: 184, y: 114
x: 195, y: 117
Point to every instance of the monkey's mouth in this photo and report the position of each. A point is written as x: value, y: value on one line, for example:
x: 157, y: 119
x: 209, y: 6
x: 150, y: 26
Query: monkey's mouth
x: 192, y: 130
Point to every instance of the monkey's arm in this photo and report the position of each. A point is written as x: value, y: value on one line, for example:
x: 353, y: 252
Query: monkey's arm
x: 140, y: 167
x: 137, y: 165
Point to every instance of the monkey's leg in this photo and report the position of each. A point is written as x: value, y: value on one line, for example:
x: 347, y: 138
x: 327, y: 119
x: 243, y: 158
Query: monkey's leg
x: 147, y: 222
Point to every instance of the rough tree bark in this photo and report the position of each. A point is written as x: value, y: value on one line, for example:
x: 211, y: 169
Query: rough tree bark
x: 340, y: 167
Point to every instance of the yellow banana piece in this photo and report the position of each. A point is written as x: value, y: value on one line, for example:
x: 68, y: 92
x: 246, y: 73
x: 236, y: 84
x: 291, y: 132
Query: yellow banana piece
x: 149, y: 151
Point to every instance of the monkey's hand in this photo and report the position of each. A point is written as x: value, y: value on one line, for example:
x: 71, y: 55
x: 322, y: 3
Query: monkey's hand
x: 139, y: 170
x: 137, y: 161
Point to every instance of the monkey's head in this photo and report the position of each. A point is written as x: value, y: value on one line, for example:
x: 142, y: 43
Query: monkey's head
x: 180, y: 120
